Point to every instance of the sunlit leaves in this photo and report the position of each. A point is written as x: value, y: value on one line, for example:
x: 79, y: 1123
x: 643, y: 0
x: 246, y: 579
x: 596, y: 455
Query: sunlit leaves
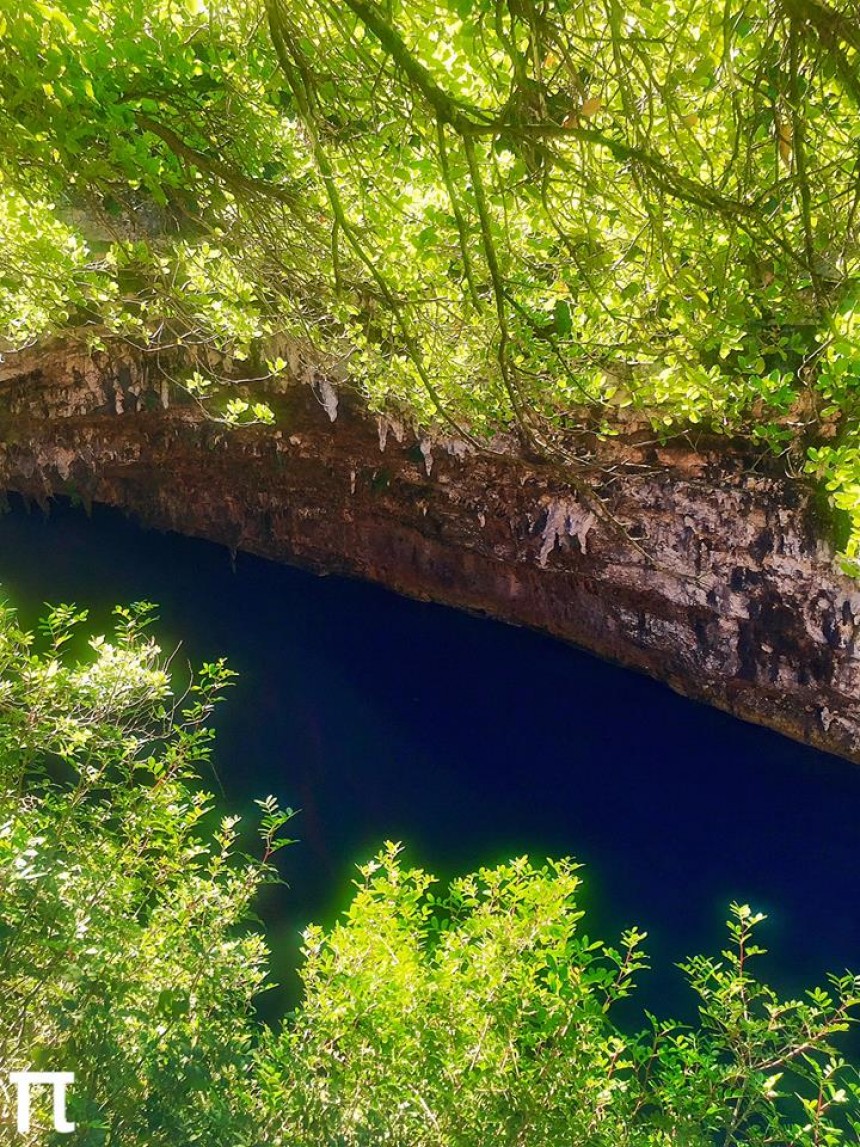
x: 125, y: 953
x: 485, y: 1013
x: 493, y: 215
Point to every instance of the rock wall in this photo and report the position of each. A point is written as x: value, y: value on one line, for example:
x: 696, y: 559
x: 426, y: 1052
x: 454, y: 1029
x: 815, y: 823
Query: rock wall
x: 713, y: 577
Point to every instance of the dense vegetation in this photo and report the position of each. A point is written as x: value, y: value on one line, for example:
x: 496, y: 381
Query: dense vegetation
x: 489, y: 214
x: 129, y: 954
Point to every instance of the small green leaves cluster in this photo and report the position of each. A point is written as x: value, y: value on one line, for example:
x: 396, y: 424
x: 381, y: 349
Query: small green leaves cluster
x: 46, y: 273
x: 125, y: 951
x: 119, y: 214
x: 837, y: 462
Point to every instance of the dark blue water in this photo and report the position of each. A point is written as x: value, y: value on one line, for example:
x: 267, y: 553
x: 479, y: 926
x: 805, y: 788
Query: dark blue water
x: 382, y: 718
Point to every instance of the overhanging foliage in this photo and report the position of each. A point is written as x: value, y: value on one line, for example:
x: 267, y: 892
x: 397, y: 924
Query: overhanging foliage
x: 491, y: 213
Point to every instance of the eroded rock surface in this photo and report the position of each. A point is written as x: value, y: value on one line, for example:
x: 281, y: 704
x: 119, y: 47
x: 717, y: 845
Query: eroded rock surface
x: 716, y: 578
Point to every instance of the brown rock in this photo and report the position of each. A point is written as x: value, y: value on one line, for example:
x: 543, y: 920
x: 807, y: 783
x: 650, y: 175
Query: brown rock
x: 740, y: 605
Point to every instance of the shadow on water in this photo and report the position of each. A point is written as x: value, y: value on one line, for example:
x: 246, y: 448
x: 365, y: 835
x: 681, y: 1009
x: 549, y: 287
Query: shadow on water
x: 382, y: 718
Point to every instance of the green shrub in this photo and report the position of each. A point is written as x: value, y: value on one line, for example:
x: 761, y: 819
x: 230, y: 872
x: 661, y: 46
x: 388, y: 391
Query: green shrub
x: 485, y: 1017
x: 125, y: 954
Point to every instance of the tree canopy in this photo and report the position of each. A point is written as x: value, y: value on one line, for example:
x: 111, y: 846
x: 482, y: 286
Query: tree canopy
x: 491, y: 214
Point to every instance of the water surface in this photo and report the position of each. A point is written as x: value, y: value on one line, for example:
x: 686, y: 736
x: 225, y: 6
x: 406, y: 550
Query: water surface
x: 381, y: 718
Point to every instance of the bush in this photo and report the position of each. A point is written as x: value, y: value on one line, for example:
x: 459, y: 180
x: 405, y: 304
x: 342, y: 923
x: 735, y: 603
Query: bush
x: 125, y: 951
x: 484, y: 1017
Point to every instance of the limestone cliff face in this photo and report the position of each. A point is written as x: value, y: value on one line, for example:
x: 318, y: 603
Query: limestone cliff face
x: 715, y: 580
